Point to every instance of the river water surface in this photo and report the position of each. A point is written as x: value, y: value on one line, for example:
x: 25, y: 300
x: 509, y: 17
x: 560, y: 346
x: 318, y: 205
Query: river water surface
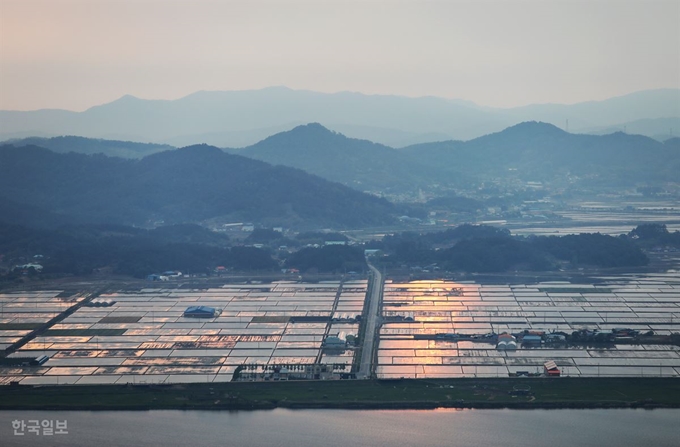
x: 344, y: 428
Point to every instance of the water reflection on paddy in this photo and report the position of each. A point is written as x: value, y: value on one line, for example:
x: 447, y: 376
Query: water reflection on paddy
x: 415, y: 311
x: 144, y: 337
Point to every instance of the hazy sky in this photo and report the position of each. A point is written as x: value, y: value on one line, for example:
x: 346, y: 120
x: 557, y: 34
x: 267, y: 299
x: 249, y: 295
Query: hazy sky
x: 75, y: 54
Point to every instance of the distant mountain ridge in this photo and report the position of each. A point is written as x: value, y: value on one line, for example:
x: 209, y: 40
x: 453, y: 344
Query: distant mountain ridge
x: 241, y: 118
x: 192, y: 184
x: 82, y: 145
x: 660, y: 129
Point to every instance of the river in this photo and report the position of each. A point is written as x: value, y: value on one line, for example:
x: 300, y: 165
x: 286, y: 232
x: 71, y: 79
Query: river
x: 345, y: 428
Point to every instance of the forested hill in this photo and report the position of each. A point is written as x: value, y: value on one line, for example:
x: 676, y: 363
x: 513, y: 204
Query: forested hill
x: 530, y: 151
x: 473, y: 248
x: 541, y: 151
x: 362, y: 164
x: 192, y: 184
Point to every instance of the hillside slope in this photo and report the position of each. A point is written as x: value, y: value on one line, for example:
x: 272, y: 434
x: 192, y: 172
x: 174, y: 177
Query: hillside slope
x: 192, y: 184
x: 358, y: 163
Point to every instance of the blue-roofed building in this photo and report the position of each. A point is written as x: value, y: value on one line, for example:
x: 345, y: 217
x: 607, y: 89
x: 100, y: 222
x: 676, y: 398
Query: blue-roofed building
x: 532, y: 339
x: 201, y: 312
x: 338, y: 341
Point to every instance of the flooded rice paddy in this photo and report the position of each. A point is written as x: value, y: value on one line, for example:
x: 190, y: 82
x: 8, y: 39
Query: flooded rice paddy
x: 409, y: 348
x: 144, y: 337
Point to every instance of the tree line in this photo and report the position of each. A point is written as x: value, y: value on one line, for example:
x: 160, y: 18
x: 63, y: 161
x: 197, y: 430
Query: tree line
x: 479, y: 248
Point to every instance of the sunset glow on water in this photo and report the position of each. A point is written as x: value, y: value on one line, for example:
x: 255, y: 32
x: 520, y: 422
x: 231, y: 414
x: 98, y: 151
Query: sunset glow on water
x: 415, y: 312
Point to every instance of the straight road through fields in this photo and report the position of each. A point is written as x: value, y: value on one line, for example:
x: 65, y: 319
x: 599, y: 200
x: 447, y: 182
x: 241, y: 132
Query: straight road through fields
x: 369, y: 341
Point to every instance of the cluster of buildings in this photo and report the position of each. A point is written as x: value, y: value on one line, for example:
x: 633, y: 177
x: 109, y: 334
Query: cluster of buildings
x: 165, y: 276
x: 314, y: 371
x: 346, y: 318
x: 25, y: 268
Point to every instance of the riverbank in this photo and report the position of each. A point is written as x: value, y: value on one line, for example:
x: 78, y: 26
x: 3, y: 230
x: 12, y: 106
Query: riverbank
x: 517, y: 393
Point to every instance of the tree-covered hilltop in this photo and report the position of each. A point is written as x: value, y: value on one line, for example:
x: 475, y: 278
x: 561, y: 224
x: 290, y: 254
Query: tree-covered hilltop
x: 84, y: 249
x: 117, y: 249
x: 185, y: 185
x: 543, y: 152
x: 361, y: 164
x: 87, y: 249
x: 329, y: 258
x: 481, y: 248
x: 652, y: 235
x: 528, y: 151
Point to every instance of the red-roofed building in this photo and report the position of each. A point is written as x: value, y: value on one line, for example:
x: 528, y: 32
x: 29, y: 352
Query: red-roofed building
x: 550, y: 369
